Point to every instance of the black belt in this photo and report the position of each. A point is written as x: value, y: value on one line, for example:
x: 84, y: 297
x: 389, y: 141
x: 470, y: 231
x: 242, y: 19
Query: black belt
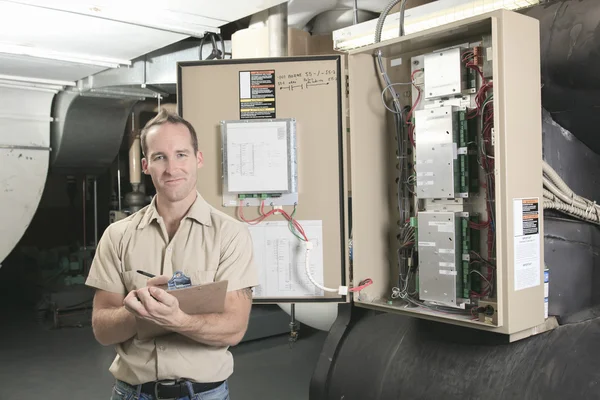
x: 175, y: 390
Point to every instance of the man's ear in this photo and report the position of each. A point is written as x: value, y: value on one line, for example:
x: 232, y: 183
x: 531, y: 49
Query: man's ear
x: 145, y: 166
x: 199, y: 159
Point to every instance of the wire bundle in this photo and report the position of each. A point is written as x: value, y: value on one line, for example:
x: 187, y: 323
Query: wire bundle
x: 485, y: 110
x: 294, y: 225
x: 559, y: 196
x: 298, y: 231
x: 409, y: 119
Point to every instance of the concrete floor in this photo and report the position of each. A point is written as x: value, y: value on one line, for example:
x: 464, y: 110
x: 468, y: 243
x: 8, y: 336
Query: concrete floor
x: 68, y: 363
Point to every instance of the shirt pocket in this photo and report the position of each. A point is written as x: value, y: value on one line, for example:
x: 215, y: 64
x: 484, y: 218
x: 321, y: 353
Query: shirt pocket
x: 203, y: 277
x: 134, y: 280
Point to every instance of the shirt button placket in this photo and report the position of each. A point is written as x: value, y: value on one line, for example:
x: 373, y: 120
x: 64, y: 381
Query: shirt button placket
x: 160, y: 360
x: 168, y: 257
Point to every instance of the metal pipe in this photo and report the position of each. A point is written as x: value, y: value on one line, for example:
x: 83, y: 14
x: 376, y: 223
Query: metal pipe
x: 119, y: 179
x: 355, y: 12
x: 277, y: 23
x: 83, y: 214
x: 294, y: 326
x: 135, y: 156
x: 95, y: 212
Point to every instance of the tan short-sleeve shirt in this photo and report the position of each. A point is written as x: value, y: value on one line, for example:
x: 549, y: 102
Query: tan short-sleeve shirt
x: 208, y: 246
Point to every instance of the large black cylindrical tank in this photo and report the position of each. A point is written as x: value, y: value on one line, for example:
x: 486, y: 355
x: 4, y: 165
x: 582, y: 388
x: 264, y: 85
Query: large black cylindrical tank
x: 394, y: 357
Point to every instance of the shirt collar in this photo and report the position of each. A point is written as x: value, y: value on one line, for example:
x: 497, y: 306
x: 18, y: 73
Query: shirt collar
x: 199, y: 211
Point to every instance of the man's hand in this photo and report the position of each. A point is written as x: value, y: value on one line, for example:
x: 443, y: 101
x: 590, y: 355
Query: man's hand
x: 155, y: 305
x: 158, y: 280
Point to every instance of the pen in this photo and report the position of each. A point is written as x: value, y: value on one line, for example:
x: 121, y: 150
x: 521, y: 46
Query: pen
x: 149, y: 275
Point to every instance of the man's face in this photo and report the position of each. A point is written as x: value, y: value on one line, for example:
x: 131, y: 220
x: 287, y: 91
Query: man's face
x: 171, y: 161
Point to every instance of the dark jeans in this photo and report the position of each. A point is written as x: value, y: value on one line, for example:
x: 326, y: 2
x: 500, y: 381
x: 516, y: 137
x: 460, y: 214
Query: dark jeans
x: 124, y: 391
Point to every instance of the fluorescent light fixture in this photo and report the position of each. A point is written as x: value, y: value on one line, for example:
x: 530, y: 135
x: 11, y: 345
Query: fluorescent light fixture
x: 421, y: 18
x: 26, y: 117
x: 154, y: 14
x: 60, y: 56
x: 49, y: 82
x: 39, y: 85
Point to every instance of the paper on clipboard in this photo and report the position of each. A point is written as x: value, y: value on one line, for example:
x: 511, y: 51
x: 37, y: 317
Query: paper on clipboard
x: 199, y: 299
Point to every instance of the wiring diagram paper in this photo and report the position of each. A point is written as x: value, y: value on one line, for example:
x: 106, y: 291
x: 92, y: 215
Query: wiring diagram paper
x: 280, y: 257
x: 257, y: 157
x: 527, y: 243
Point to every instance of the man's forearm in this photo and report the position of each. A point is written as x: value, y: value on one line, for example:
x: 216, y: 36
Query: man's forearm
x: 113, y: 325
x: 212, y: 329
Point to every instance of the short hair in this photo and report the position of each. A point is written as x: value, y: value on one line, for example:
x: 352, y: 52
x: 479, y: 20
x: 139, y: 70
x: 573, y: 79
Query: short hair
x: 164, y: 117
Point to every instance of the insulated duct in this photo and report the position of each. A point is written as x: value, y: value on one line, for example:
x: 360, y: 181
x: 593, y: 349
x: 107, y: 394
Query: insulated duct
x: 152, y: 75
x: 91, y: 119
x: 87, y: 133
x: 24, y: 153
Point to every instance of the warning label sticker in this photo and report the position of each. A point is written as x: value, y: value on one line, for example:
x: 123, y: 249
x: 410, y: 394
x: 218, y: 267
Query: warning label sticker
x: 257, y: 94
x: 531, y: 216
x: 527, y: 260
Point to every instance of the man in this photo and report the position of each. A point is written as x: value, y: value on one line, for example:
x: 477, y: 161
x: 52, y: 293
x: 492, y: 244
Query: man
x: 177, y: 231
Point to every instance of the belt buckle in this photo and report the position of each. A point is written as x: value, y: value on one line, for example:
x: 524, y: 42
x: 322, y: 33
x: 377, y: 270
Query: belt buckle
x: 165, y: 382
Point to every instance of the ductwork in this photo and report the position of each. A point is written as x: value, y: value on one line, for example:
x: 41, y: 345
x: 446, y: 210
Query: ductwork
x: 331, y: 20
x: 91, y: 119
x: 24, y: 151
x: 87, y: 132
x: 152, y: 75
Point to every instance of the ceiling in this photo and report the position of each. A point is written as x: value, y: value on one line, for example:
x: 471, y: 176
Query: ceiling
x: 64, y: 41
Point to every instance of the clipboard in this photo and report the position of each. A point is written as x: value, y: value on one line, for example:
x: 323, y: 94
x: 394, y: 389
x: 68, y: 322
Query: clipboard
x: 197, y: 299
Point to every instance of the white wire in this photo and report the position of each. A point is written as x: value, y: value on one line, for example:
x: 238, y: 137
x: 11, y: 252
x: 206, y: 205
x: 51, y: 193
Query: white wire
x: 559, y: 196
x: 387, y: 88
x: 568, y: 209
x: 310, y: 277
x: 486, y: 279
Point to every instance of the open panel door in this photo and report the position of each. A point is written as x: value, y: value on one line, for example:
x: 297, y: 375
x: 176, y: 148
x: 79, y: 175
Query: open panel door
x: 272, y: 135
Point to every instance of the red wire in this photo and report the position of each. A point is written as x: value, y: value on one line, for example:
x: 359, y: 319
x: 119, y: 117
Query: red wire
x: 255, y: 220
x: 294, y: 222
x: 362, y: 285
x: 264, y: 216
x: 476, y: 68
x: 411, y: 137
x: 409, y: 115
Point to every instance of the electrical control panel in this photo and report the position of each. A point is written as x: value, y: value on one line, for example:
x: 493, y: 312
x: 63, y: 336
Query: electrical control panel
x: 448, y: 79
x: 440, y: 257
x: 274, y: 142
x: 437, y: 166
x: 259, y: 162
x: 454, y: 152
x: 431, y: 209
x: 453, y: 161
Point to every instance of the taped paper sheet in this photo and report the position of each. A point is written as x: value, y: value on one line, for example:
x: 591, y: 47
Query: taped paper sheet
x: 280, y: 257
